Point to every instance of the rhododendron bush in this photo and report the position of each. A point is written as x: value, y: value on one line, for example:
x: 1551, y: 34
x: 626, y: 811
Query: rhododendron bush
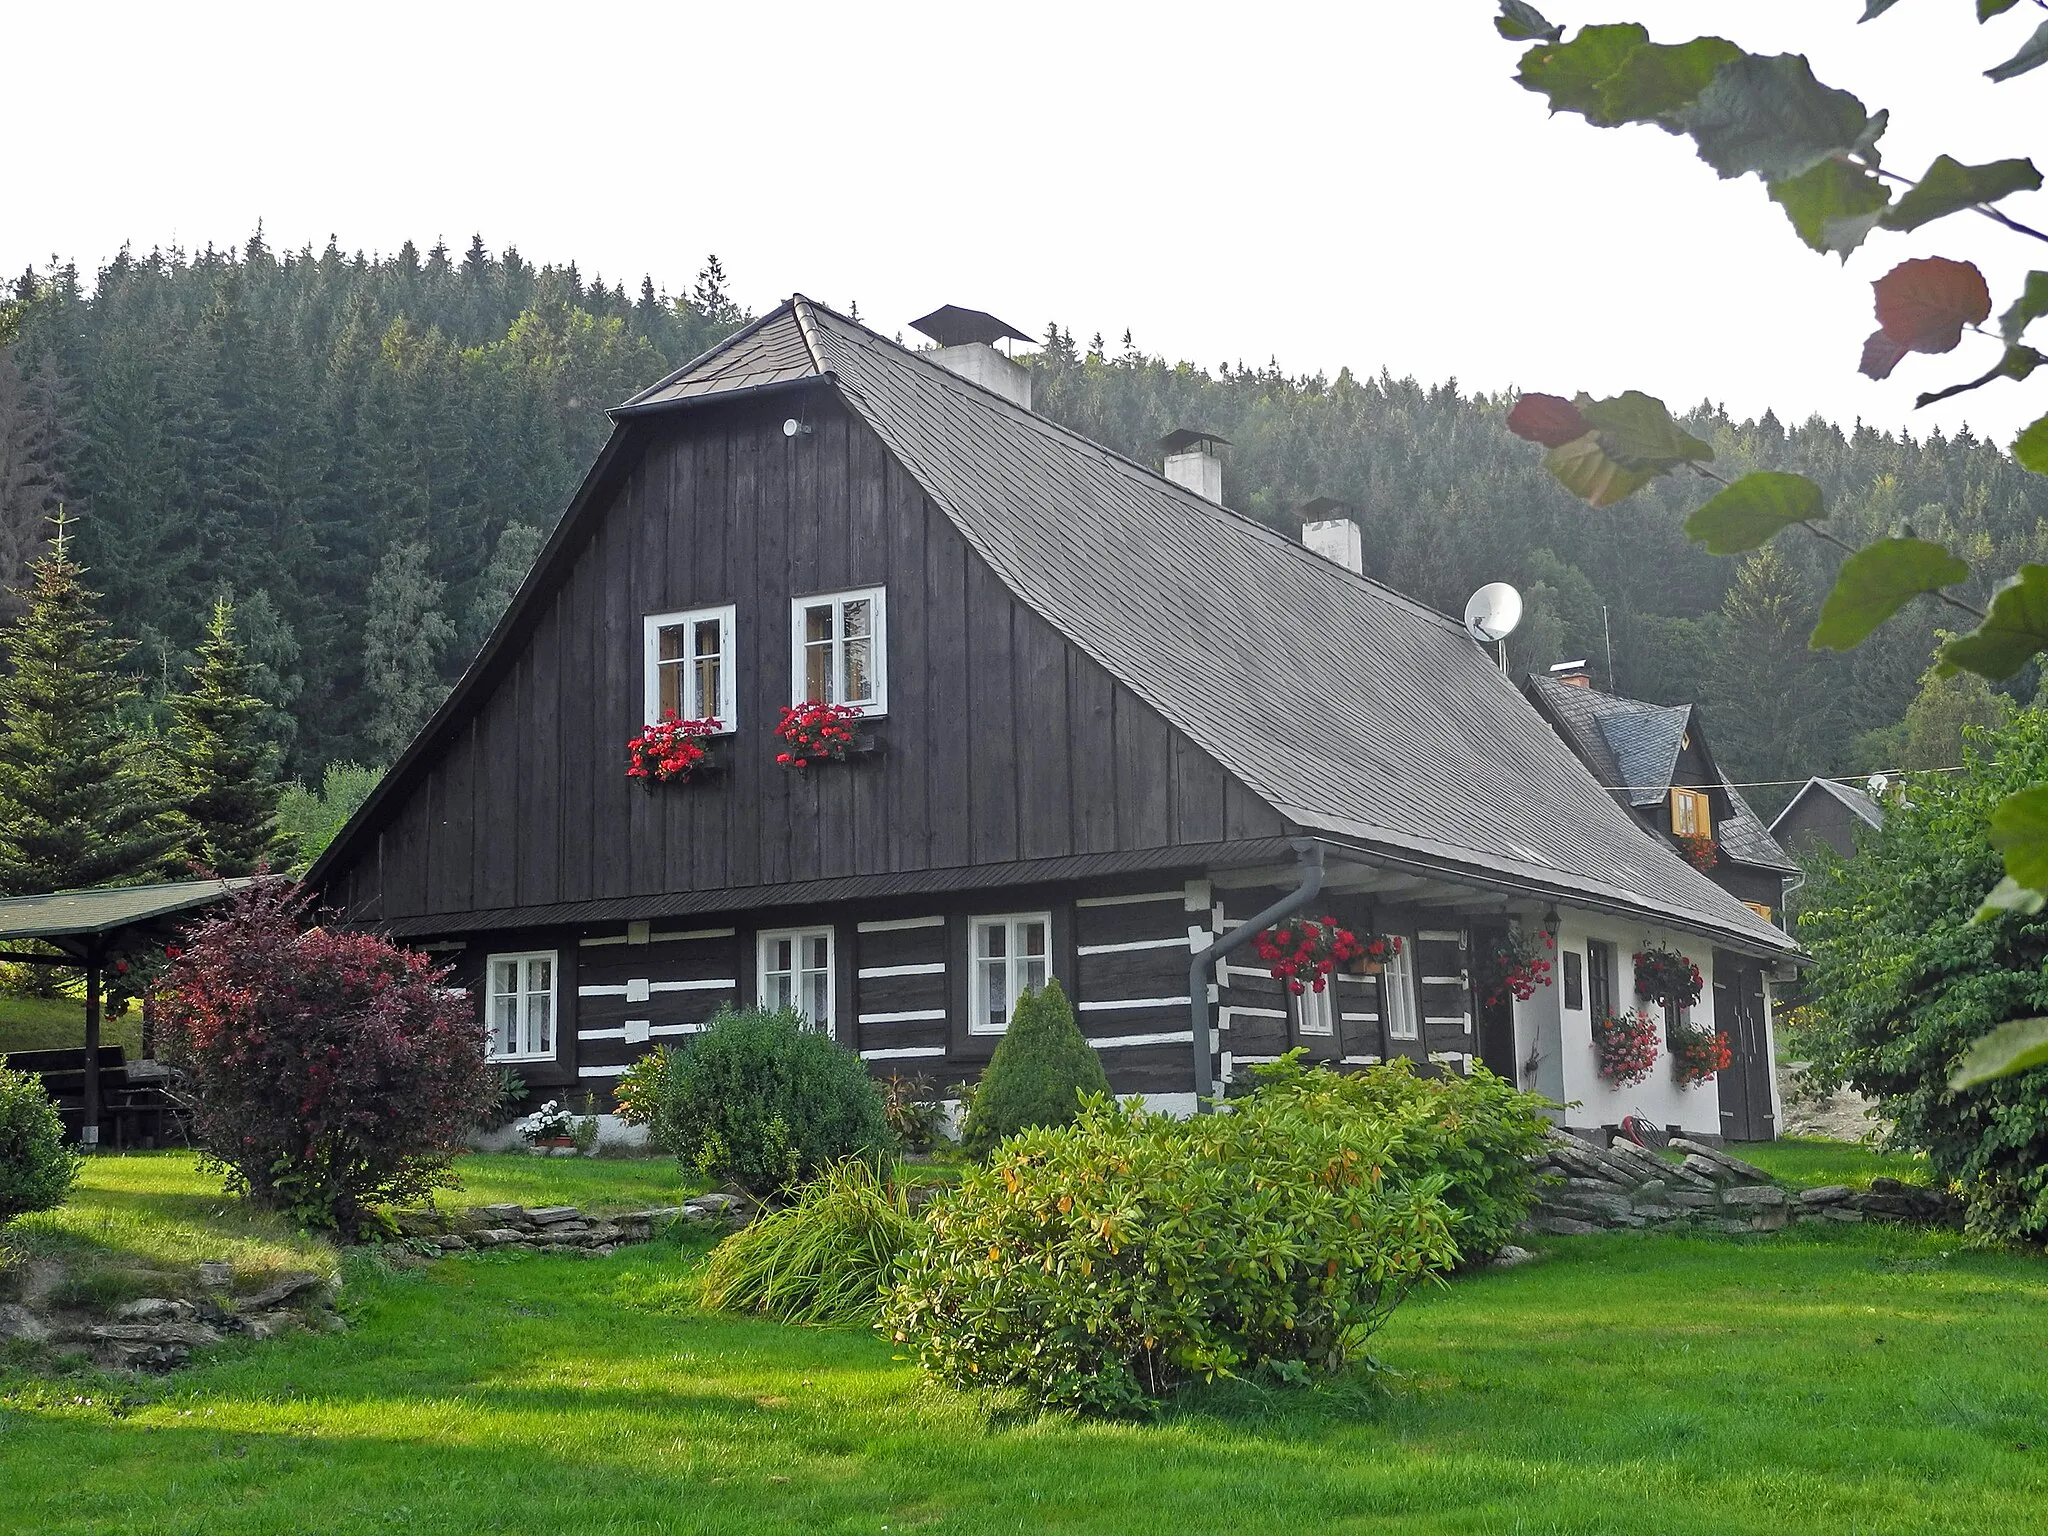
x: 326, y: 1072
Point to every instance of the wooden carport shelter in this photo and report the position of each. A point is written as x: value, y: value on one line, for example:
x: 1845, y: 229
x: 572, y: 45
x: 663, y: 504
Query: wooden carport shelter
x: 87, y: 927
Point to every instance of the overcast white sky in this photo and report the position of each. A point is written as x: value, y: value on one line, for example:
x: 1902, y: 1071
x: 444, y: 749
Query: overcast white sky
x: 1358, y: 182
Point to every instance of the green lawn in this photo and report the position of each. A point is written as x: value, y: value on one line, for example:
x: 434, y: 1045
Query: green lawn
x: 1809, y: 1163
x: 1863, y: 1379
x: 58, y: 1023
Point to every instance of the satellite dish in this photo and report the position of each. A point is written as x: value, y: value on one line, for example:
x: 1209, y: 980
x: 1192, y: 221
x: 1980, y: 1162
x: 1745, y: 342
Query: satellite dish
x: 1493, y: 612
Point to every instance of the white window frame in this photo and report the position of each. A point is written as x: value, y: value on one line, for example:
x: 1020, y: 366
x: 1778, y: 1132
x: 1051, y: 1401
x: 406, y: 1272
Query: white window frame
x: 724, y: 708
x: 523, y: 959
x: 1014, y: 962
x: 764, y: 943
x: 877, y: 598
x: 1399, y: 999
x: 1315, y: 1013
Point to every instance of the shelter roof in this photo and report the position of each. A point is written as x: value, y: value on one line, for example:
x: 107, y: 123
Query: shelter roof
x: 102, y: 910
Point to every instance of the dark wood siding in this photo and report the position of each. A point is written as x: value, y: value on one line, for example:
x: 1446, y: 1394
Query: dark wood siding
x: 1003, y: 742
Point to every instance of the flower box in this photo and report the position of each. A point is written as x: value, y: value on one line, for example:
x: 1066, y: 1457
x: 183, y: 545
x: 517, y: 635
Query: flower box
x: 821, y: 733
x: 671, y: 751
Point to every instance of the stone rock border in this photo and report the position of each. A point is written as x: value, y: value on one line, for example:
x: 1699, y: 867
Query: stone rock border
x: 558, y: 1228
x: 159, y: 1333
x: 1592, y: 1189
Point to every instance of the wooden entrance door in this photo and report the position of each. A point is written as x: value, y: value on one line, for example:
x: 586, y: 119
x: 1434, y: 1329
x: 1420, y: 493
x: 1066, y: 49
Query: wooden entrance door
x: 1746, y: 1085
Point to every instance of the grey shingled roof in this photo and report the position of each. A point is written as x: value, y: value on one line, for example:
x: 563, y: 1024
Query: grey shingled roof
x: 1632, y: 747
x: 102, y: 909
x: 1870, y: 812
x: 1354, y: 711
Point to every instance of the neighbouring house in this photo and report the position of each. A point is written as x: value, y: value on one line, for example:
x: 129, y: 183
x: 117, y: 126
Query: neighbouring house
x: 1827, y: 811
x: 1104, y: 720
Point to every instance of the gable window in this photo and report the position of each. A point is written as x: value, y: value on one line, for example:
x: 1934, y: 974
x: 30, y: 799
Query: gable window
x: 689, y: 666
x: 1315, y: 1013
x: 1689, y: 813
x: 1011, y: 956
x: 520, y: 997
x: 840, y: 650
x: 1600, y: 978
x: 796, y: 972
x: 1397, y: 994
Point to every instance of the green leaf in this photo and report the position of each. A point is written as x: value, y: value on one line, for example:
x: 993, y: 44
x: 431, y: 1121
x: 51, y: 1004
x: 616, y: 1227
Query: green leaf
x: 2030, y: 306
x: 2010, y: 1048
x: 1770, y: 116
x: 2013, y: 631
x: 2019, y: 830
x: 1986, y: 9
x: 1749, y: 512
x: 1876, y: 582
x: 1657, y: 82
x: 1570, y: 73
x: 1637, y: 432
x: 1834, y: 206
x: 1584, y: 469
x: 1950, y: 186
x: 2030, y: 448
x: 2017, y: 363
x: 2010, y: 896
x: 1520, y: 22
x: 2030, y: 57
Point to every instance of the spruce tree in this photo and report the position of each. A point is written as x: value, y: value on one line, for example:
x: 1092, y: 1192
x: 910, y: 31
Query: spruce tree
x: 76, y: 806
x: 402, y: 644
x: 226, y: 774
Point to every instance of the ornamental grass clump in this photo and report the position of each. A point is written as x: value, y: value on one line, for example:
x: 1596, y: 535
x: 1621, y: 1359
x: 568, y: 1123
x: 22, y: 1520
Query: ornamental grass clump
x: 325, y: 1072
x: 1477, y: 1133
x: 36, y: 1169
x: 1101, y: 1265
x: 826, y: 1259
x: 763, y: 1101
x: 1038, y: 1074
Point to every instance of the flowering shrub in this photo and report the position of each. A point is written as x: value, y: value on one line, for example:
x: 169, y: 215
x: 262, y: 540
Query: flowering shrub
x: 326, y: 1071
x: 1666, y: 976
x: 1627, y: 1044
x: 1099, y: 1265
x: 551, y: 1122
x: 816, y: 733
x: 1515, y: 967
x: 1697, y: 1054
x: 1305, y: 950
x: 669, y: 749
x: 1698, y: 850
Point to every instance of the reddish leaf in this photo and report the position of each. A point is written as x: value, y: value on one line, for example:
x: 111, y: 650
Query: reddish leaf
x: 1923, y: 305
x: 1547, y: 419
x: 1881, y: 355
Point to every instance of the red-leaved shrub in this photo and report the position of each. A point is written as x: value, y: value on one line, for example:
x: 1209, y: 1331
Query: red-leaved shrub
x: 326, y: 1071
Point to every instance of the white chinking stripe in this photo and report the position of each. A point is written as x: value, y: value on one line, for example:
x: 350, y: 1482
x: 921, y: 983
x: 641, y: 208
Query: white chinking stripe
x: 877, y: 972
x: 1164, y: 1037
x: 898, y: 924
x: 1110, y: 1005
x: 905, y: 1016
x: 660, y: 938
x: 899, y: 1052
x: 628, y: 988
x: 1134, y: 944
x: 1131, y: 901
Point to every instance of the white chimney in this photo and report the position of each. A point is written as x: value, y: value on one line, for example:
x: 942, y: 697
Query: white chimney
x: 1336, y: 539
x: 967, y: 339
x: 1192, y: 461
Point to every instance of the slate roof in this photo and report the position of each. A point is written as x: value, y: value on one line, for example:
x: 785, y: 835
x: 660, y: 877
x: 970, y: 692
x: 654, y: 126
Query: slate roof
x: 1353, y: 710
x: 1867, y: 809
x: 1632, y: 747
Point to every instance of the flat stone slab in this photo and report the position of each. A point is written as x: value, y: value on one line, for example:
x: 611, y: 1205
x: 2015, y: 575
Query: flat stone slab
x: 1734, y: 1165
x: 553, y: 1215
x: 1753, y: 1194
x: 274, y: 1296
x: 1826, y: 1194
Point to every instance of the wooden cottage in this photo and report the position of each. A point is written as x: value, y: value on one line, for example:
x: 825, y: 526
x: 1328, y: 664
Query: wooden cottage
x: 1827, y: 811
x: 1105, y: 720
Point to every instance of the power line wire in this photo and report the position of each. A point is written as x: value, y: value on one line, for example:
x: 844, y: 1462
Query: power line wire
x: 1850, y: 781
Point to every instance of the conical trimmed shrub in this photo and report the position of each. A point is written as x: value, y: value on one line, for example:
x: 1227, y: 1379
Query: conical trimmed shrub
x: 1039, y: 1071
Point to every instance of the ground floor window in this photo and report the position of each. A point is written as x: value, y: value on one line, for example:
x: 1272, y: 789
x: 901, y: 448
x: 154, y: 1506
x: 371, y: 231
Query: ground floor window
x: 1011, y: 955
x: 1315, y: 1013
x: 1398, y: 999
x: 796, y: 972
x: 521, y: 1002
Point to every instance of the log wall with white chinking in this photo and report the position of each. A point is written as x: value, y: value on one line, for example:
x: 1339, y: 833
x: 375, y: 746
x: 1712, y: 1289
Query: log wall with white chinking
x: 901, y: 989
x: 649, y: 985
x: 1130, y: 982
x: 1443, y: 977
x: 1259, y: 1021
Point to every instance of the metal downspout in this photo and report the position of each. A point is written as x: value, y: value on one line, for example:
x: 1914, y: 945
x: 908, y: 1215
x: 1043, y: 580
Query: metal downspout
x: 1204, y: 960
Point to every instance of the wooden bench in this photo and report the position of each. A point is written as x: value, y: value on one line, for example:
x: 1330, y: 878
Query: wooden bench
x: 134, y: 1110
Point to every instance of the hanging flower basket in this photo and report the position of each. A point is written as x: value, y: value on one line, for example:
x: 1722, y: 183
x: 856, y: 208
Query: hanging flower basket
x: 1374, y: 951
x: 1515, y: 967
x: 1627, y: 1046
x: 670, y: 751
x: 1697, y: 1054
x: 1701, y: 852
x: 817, y: 733
x: 1304, y: 951
x: 1666, y: 976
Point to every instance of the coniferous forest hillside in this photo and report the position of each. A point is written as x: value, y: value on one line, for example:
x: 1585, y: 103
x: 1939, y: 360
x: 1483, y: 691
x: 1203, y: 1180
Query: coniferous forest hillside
x: 367, y: 453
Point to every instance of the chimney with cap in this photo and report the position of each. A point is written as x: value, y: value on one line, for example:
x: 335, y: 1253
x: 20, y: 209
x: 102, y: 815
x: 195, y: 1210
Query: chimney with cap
x: 967, y: 346
x: 1333, y: 536
x: 1192, y: 461
x: 1573, y: 673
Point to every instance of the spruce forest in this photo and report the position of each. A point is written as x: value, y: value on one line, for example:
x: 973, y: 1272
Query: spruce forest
x: 364, y: 455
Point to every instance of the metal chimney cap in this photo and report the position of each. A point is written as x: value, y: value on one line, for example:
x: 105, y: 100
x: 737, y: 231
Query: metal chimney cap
x: 951, y: 326
x: 1180, y: 439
